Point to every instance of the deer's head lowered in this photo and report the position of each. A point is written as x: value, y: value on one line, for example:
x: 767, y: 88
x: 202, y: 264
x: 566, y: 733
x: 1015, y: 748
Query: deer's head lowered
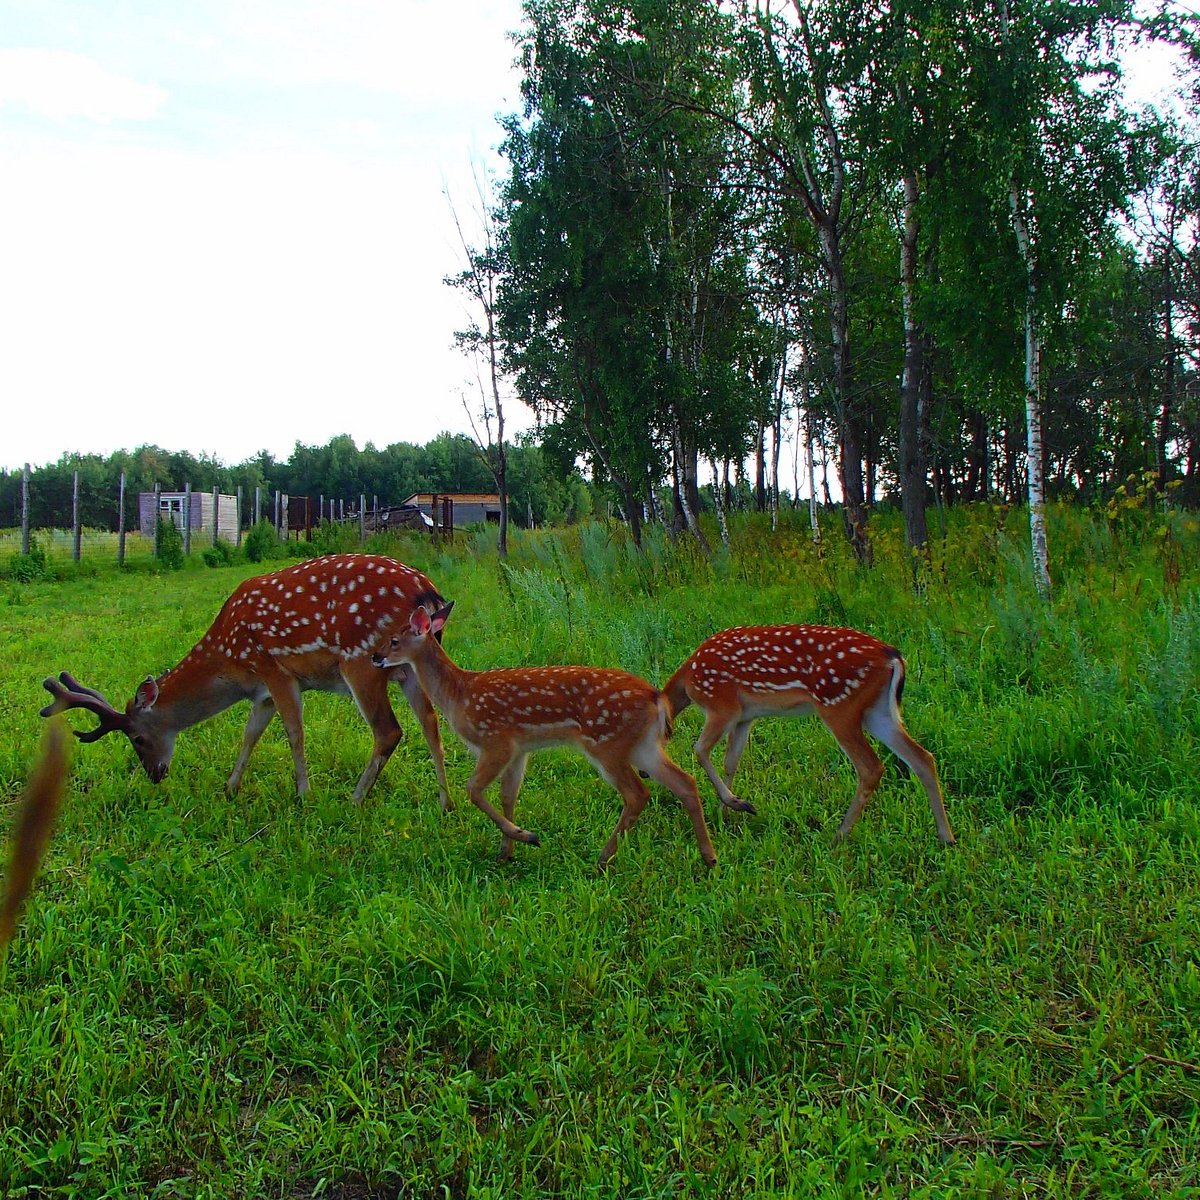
x: 153, y: 741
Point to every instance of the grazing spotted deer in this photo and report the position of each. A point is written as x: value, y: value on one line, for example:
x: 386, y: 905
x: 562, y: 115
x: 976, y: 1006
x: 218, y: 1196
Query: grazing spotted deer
x: 308, y: 627
x: 851, y: 680
x: 619, y: 721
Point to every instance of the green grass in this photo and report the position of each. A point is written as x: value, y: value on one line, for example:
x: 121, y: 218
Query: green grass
x: 263, y: 997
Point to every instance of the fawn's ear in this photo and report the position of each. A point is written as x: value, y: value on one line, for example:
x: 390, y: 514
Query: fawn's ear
x: 439, y: 618
x: 419, y: 622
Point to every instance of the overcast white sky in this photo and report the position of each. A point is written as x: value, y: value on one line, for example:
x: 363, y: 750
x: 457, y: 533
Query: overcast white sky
x: 223, y: 225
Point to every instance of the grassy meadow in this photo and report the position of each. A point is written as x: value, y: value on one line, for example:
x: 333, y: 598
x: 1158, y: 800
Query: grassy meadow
x: 267, y: 997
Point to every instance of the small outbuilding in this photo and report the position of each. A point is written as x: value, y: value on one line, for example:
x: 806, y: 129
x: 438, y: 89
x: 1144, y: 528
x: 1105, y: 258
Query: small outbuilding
x: 171, y: 507
x: 464, y: 508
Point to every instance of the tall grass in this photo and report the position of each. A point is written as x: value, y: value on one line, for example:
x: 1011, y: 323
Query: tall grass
x: 267, y: 997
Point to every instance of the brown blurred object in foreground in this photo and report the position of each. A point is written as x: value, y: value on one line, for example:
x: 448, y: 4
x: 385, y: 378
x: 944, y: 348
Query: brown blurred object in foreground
x: 38, y: 808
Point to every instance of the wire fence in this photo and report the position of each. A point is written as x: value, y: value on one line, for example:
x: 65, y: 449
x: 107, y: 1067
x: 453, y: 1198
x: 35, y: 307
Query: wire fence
x: 203, y: 519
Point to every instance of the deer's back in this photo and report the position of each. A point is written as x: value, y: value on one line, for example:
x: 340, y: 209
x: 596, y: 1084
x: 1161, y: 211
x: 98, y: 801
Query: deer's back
x: 312, y: 616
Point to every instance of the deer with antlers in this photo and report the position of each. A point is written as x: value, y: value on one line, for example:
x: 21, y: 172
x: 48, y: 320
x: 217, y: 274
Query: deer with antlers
x: 619, y: 722
x: 307, y: 627
x: 851, y: 680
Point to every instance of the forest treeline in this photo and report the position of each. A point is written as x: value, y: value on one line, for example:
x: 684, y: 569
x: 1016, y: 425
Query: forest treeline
x: 338, y: 470
x: 933, y: 241
x: 933, y: 247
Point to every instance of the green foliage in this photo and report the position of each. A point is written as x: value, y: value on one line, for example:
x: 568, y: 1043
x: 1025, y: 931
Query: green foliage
x: 335, y: 537
x: 261, y: 542
x: 24, y: 568
x: 219, y: 555
x: 265, y: 997
x: 170, y: 545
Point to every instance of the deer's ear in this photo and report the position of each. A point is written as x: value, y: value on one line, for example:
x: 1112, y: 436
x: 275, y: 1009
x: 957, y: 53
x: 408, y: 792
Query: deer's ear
x: 439, y: 618
x: 419, y: 623
x: 146, y: 694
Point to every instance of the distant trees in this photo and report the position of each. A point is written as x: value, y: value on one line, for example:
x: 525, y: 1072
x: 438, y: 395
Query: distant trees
x: 541, y: 490
x: 904, y: 228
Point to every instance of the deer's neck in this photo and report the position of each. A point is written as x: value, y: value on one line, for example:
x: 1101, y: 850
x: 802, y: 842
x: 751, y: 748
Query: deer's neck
x: 196, y: 689
x: 441, y: 679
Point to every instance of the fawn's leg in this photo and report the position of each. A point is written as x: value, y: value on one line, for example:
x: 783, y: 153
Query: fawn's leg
x: 889, y: 729
x: 419, y: 702
x: 493, y: 760
x: 635, y: 794
x: 510, y: 787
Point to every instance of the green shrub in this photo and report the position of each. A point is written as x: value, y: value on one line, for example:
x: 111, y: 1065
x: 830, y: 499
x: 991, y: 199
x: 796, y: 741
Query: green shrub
x: 170, y: 545
x: 262, y: 542
x: 25, y: 568
x: 335, y: 537
x: 220, y: 554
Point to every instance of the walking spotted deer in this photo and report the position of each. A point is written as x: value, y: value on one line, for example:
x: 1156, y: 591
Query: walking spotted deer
x: 308, y: 627
x: 851, y: 680
x: 619, y: 721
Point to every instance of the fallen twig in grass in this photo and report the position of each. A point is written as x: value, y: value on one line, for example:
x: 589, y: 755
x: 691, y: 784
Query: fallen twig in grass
x: 35, y: 821
x: 224, y: 853
x: 1160, y: 1059
x: 996, y: 1139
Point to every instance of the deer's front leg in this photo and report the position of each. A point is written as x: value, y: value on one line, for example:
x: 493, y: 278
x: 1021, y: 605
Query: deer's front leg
x: 369, y: 687
x: 493, y: 760
x: 285, y: 692
x: 261, y: 712
x: 426, y: 714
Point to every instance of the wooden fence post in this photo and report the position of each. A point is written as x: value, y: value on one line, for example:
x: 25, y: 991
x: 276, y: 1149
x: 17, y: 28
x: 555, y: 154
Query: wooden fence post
x: 362, y: 517
x: 283, y: 515
x: 238, y: 504
x: 121, y: 522
x: 257, y: 503
x: 157, y: 514
x: 25, y: 510
x: 187, y: 518
x: 216, y: 514
x: 76, y: 530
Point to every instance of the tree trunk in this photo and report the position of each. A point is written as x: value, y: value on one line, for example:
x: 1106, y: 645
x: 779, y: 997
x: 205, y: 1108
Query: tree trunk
x: 850, y: 456
x: 1033, y: 404
x: 975, y: 487
x: 812, y: 480
x: 912, y: 458
x: 1168, y: 398
x: 760, y: 470
x: 719, y: 501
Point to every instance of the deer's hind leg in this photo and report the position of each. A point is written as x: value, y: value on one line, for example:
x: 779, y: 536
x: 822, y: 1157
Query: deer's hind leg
x: 635, y: 794
x: 510, y: 787
x: 655, y: 761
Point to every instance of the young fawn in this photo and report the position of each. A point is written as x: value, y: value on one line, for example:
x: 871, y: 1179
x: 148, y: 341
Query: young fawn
x: 619, y: 721
x: 310, y: 626
x: 851, y: 680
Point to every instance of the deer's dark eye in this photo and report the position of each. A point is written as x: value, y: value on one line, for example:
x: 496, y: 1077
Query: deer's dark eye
x: 139, y: 740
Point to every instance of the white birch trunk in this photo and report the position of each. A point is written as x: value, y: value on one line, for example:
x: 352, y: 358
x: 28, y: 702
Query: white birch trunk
x: 1033, y: 403
x: 719, y: 497
x: 812, y: 482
